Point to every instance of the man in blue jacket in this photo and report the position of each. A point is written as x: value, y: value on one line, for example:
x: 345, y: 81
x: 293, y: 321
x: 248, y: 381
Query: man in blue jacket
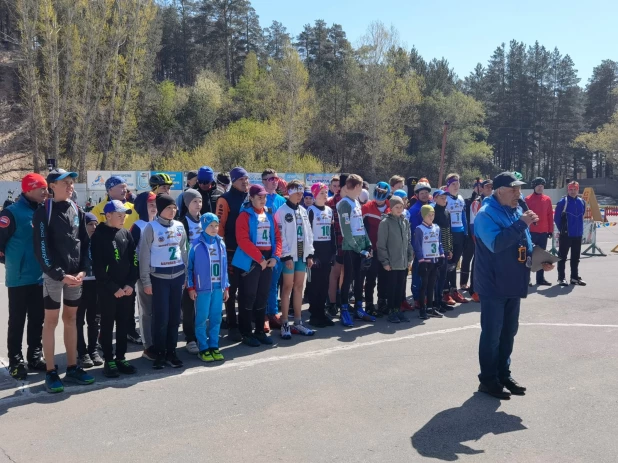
x: 569, y: 218
x: 23, y: 277
x: 501, y: 274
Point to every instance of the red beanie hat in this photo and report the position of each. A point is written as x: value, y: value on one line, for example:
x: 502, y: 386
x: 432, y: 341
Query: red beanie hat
x: 33, y: 181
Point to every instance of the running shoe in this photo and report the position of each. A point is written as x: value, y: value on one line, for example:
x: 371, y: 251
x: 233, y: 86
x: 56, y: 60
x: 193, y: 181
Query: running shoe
x: 18, y: 371
x: 159, y: 362
x: 476, y: 298
x: 274, y: 321
x: 192, y: 347
x: 393, y: 316
x: 447, y: 299
x: 320, y: 321
x: 85, y: 361
x: 205, y: 356
x: 578, y: 281
x: 285, y: 332
x: 148, y: 354
x: 36, y: 362
x: 383, y: 307
x: 134, y: 337
x: 300, y: 328
x: 373, y: 311
x: 173, y: 361
x: 444, y: 307
x: 402, y: 317
x: 405, y: 306
x: 125, y: 367
x: 266, y: 325
x: 263, y: 338
x: 332, y: 310
x: 110, y: 369
x: 96, y: 359
x: 360, y: 314
x: 216, y: 354
x: 434, y: 313
x: 457, y: 297
x: 563, y: 282
x: 346, y: 318
x: 422, y: 314
x: 233, y: 334
x: 543, y: 283
x: 250, y: 341
x: 78, y: 375
x: 53, y: 383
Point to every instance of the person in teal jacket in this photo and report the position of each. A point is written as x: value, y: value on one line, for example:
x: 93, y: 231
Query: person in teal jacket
x: 23, y: 277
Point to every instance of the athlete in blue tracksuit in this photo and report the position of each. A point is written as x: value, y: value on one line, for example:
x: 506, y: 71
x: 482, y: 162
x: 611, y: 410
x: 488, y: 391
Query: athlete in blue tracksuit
x: 569, y: 218
x: 422, y: 192
x: 208, y: 284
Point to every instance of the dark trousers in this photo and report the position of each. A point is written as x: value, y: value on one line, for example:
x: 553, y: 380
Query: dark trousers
x: 253, y: 294
x: 416, y: 281
x: 88, y: 312
x: 317, y: 288
x: 166, y: 301
x: 376, y: 273
x: 118, y: 311
x: 352, y: 273
x: 396, y: 288
x: 458, y: 246
x: 188, y: 316
x: 440, y: 280
x: 131, y: 327
x: 25, y: 302
x: 233, y: 278
x: 499, y: 324
x: 565, y: 245
x: 428, y: 271
x: 540, y: 239
x: 466, y: 260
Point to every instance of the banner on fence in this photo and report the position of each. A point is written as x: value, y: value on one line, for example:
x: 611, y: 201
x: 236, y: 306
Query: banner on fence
x: 319, y: 178
x: 96, y: 179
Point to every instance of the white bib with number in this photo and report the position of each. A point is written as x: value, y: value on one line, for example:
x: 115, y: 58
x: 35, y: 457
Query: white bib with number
x: 322, y: 221
x: 456, y: 207
x: 299, y: 227
x: 356, y: 221
x: 215, y: 263
x: 263, y: 231
x: 195, y: 228
x: 431, y: 241
x: 165, y: 251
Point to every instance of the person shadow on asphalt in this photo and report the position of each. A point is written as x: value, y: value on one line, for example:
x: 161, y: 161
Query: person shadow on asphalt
x: 443, y: 436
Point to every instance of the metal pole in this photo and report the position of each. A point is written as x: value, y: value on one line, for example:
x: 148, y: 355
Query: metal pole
x: 442, y: 155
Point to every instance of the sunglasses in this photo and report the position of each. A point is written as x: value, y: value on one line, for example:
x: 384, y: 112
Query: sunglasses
x: 270, y: 179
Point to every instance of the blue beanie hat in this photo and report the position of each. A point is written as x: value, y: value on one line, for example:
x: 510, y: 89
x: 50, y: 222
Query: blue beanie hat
x: 206, y: 220
x: 113, y: 181
x: 205, y: 175
x: 401, y: 193
x: 238, y: 172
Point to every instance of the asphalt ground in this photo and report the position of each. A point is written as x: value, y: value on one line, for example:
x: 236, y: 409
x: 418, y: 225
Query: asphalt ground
x: 375, y: 392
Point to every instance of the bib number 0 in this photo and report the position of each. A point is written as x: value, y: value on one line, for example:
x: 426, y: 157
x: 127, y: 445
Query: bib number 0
x: 216, y: 270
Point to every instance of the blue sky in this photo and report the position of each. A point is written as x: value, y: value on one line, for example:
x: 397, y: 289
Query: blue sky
x: 467, y: 32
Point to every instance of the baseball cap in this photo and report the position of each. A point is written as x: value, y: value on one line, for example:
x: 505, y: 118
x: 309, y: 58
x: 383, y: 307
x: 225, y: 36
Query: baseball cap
x: 439, y: 193
x: 257, y: 190
x: 507, y: 179
x: 113, y: 181
x: 116, y: 206
x: 32, y: 181
x: 487, y: 182
x: 59, y: 174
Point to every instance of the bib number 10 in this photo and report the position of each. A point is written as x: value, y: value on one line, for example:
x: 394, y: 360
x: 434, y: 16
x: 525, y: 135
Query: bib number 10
x: 326, y: 230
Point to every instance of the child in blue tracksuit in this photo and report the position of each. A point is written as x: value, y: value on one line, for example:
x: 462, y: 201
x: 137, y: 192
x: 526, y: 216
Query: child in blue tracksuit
x: 208, y: 283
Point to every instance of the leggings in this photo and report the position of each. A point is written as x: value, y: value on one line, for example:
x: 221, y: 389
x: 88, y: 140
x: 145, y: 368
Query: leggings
x: 428, y: 272
x: 352, y: 273
x: 254, y: 287
x: 466, y: 260
x: 88, y: 312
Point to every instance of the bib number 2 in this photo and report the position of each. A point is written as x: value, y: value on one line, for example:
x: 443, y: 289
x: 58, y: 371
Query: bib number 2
x: 172, y: 251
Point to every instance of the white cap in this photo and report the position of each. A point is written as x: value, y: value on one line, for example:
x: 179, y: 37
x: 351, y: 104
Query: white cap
x: 364, y: 196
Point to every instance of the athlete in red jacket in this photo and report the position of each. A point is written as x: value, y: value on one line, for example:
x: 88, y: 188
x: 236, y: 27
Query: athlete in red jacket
x: 542, y: 230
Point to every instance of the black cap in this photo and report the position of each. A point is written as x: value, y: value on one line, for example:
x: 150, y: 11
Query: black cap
x: 487, y: 182
x: 191, y: 174
x: 507, y: 179
x: 538, y: 181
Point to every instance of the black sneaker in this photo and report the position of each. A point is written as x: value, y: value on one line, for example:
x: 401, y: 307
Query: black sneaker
x: 563, y: 282
x: 85, y: 361
x: 18, y: 371
x: 125, y: 367
x: 134, y: 337
x: 393, y: 316
x: 110, y: 369
x: 495, y: 390
x: 250, y: 341
x: 263, y: 338
x: 96, y: 359
x: 383, y: 306
x: 543, y: 283
x: 320, y: 322
x: 402, y: 317
x: 578, y: 282
x: 434, y: 313
x: 445, y: 307
x: 173, y: 361
x: 159, y: 362
x: 233, y: 334
x: 440, y: 309
x: 37, y: 363
x: 422, y: 314
x: 332, y: 310
x: 513, y: 386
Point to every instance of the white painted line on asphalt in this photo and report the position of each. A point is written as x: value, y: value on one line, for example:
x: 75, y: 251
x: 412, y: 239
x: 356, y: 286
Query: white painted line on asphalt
x: 241, y: 365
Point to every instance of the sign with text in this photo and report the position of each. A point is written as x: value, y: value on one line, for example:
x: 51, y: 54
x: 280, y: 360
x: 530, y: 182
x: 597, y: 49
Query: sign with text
x: 319, y: 178
x: 96, y: 178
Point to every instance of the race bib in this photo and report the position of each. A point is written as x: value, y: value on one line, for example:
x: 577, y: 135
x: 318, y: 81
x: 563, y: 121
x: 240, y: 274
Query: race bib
x: 299, y: 227
x: 215, y: 264
x: 263, y: 232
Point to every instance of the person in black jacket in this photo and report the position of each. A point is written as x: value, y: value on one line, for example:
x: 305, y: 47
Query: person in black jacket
x: 61, y: 248
x: 207, y: 186
x: 114, y: 263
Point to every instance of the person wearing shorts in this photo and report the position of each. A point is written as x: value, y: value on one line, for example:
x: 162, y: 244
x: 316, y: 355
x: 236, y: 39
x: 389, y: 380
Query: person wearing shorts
x: 297, y: 255
x: 61, y: 248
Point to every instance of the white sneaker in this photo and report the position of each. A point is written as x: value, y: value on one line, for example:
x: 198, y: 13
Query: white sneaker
x: 192, y: 348
x: 302, y: 329
x: 285, y: 331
